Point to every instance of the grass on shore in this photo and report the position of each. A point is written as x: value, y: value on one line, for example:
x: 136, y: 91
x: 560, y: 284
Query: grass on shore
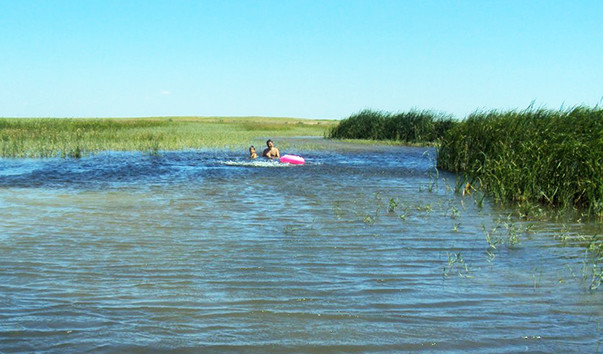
x: 414, y: 127
x: 52, y: 137
x: 531, y: 157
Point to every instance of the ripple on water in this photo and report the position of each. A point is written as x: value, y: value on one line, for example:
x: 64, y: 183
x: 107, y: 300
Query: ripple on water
x: 357, y: 250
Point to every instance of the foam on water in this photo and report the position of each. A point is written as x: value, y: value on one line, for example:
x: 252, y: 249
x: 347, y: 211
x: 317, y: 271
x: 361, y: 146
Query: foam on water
x: 255, y: 163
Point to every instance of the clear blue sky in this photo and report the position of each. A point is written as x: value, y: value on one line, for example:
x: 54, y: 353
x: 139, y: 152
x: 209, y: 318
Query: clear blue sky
x: 314, y: 59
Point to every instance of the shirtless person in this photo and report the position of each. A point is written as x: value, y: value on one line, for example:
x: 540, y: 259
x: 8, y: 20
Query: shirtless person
x: 271, y: 151
x: 252, y: 154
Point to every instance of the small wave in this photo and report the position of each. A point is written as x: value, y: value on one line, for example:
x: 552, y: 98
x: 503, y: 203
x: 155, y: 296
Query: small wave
x: 13, y: 172
x: 256, y: 163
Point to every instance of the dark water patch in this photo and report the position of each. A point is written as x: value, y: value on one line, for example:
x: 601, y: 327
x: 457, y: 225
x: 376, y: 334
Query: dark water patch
x: 122, y: 169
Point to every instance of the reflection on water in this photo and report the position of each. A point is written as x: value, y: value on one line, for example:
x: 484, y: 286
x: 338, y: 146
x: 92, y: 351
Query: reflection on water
x: 358, y: 250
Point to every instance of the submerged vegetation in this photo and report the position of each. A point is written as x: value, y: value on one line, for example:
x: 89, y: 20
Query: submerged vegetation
x: 51, y: 137
x: 414, y: 127
x: 531, y: 157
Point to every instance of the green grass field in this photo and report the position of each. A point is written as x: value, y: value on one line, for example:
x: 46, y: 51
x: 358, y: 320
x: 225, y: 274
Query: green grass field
x: 52, y: 137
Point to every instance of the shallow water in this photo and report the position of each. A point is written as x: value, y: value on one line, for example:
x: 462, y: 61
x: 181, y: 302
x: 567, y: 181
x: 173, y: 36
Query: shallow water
x: 364, y: 249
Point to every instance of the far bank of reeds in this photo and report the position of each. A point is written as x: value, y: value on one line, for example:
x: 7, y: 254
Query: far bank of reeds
x: 534, y: 156
x: 414, y: 127
x: 53, y: 137
x: 530, y: 157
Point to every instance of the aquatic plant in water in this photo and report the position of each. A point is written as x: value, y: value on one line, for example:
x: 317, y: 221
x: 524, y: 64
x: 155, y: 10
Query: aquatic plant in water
x: 593, y: 268
x: 509, y: 239
x: 391, y: 207
x: 548, y: 157
x: 456, y: 264
x: 414, y: 127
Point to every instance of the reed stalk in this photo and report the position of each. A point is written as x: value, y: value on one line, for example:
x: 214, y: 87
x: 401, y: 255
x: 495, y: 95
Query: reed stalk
x: 414, y: 127
x: 549, y: 157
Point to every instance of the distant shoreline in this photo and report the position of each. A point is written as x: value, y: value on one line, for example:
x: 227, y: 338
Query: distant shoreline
x: 76, y: 137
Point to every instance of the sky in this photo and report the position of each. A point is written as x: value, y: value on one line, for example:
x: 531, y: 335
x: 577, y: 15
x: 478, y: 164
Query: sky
x: 305, y: 59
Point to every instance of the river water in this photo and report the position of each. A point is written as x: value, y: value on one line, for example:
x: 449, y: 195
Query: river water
x: 361, y: 249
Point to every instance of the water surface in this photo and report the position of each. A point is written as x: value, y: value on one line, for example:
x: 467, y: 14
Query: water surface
x: 364, y: 249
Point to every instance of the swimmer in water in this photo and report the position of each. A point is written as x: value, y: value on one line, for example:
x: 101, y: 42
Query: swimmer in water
x: 271, y: 151
x: 252, y: 153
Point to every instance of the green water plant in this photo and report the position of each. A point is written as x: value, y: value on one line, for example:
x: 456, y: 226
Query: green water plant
x: 492, y: 240
x: 455, y: 226
x: 424, y: 208
x: 455, y: 213
x: 593, y: 265
x: 509, y: 238
x: 456, y: 264
x: 413, y: 127
x: 551, y: 158
x: 369, y: 219
x: 392, y: 205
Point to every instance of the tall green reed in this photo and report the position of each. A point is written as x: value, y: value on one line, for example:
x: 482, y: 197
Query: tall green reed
x: 408, y: 127
x: 534, y: 156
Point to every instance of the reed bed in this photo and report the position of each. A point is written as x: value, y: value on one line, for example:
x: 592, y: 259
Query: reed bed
x: 52, y: 137
x: 529, y: 157
x: 414, y: 127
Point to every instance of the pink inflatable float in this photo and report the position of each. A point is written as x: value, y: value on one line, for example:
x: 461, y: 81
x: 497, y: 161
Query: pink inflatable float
x: 293, y: 159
